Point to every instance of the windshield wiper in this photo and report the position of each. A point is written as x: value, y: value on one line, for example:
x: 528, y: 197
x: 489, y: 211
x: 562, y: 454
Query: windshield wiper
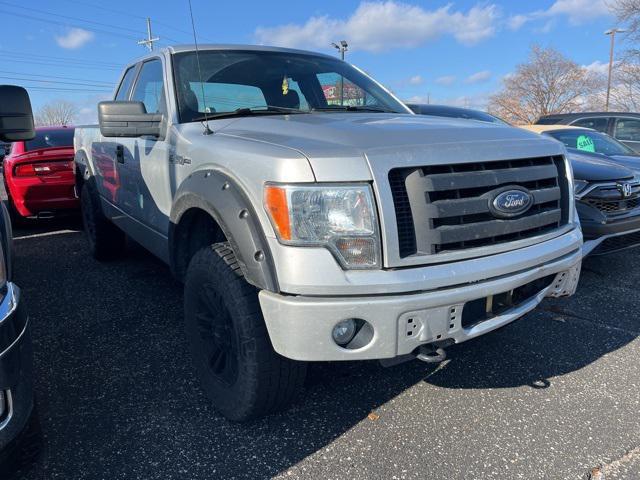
x: 352, y: 108
x: 247, y: 112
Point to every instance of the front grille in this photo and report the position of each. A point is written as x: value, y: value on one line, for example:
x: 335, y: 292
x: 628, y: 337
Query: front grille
x: 615, y: 206
x: 445, y: 208
x: 621, y: 242
x: 608, y: 199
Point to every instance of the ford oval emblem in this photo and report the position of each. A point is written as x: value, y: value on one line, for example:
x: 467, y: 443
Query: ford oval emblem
x: 511, y: 203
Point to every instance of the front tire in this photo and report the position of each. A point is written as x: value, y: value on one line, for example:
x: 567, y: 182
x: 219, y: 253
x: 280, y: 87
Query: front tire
x: 234, y: 359
x: 106, y: 241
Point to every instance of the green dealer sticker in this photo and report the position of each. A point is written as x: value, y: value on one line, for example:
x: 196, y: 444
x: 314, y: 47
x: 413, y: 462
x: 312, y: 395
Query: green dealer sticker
x: 585, y: 143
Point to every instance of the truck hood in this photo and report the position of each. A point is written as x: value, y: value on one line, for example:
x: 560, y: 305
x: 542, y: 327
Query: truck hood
x: 330, y: 140
x: 595, y: 167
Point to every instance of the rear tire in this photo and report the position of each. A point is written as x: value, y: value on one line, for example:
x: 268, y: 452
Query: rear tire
x: 106, y: 241
x: 235, y: 361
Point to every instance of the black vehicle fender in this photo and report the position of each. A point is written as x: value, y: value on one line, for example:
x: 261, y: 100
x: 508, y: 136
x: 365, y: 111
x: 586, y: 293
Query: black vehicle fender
x: 220, y: 196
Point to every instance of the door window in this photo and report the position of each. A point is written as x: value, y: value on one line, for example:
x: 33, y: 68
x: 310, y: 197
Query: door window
x: 149, y: 88
x: 597, y: 123
x: 127, y: 80
x: 627, y: 129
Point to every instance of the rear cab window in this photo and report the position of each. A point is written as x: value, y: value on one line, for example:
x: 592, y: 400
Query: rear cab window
x: 596, y: 123
x: 627, y: 129
x: 60, y: 138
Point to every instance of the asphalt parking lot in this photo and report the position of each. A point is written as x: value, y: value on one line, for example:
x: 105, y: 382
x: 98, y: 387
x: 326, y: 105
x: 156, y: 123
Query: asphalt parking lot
x: 550, y: 396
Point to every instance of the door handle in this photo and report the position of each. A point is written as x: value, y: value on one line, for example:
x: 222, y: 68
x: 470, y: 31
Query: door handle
x: 119, y: 153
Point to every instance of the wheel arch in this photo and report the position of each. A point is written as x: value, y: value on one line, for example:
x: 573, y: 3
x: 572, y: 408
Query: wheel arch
x: 221, y: 211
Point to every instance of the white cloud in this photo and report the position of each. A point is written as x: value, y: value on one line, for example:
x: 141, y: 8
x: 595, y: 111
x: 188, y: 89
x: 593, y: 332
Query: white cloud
x: 446, y: 80
x: 515, y: 22
x: 478, y: 77
x: 577, y: 11
x: 384, y: 25
x: 580, y: 11
x: 601, y: 68
x: 74, y: 38
x: 416, y: 80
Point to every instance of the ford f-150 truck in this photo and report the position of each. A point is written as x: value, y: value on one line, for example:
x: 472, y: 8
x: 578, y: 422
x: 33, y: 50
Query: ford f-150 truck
x: 313, y: 217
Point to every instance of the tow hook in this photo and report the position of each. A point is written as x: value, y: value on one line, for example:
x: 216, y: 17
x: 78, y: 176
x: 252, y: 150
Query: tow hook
x: 431, y: 354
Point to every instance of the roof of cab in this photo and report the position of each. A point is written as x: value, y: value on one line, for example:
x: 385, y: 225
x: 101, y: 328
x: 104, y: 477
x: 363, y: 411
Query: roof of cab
x: 252, y: 48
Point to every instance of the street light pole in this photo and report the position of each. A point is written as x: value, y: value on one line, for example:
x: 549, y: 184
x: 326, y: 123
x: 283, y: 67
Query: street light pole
x: 612, y: 33
x: 343, y: 47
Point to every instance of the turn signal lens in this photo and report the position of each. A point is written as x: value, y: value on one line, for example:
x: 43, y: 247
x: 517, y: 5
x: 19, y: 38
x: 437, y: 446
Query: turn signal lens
x: 275, y: 200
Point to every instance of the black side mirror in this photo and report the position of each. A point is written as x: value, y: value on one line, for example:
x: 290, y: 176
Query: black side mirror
x: 128, y: 119
x: 16, y: 116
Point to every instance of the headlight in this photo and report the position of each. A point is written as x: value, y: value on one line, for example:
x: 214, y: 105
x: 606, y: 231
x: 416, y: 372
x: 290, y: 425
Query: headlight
x: 341, y: 218
x: 579, y: 185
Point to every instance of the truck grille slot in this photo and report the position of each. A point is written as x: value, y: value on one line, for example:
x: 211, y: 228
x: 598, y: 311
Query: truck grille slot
x: 446, y: 207
x: 486, y: 308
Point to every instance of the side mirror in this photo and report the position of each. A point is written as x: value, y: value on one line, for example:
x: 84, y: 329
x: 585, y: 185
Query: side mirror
x: 128, y: 119
x: 16, y: 116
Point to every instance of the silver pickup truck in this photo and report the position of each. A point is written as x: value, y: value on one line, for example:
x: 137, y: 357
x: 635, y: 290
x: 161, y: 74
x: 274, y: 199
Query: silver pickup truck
x: 313, y: 217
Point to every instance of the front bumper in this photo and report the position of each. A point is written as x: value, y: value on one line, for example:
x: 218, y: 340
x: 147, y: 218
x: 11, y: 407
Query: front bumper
x: 16, y: 369
x: 610, y: 235
x: 300, y: 327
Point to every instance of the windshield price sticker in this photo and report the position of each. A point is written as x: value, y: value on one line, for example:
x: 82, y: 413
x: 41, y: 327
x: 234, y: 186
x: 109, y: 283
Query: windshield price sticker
x: 585, y: 143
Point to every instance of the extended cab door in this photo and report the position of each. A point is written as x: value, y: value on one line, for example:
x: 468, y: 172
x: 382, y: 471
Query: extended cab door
x: 143, y: 166
x: 105, y: 153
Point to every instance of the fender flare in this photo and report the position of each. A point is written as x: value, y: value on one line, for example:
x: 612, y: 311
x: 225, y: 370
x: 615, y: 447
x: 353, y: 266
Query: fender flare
x: 226, y: 202
x: 83, y: 168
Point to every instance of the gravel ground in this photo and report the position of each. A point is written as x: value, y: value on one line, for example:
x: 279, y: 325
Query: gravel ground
x: 550, y: 396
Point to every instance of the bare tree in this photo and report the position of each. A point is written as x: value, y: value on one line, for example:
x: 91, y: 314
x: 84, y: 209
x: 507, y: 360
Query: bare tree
x: 628, y: 14
x: 548, y: 83
x: 625, y: 92
x: 57, y: 112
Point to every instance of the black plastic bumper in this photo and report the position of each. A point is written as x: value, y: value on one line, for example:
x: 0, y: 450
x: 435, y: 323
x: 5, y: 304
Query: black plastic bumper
x: 16, y: 372
x: 591, y: 229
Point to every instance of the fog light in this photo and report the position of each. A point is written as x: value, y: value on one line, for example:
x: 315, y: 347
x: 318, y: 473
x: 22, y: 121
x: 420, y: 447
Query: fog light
x: 344, y: 331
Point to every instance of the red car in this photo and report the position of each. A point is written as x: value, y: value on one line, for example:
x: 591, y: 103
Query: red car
x: 39, y: 174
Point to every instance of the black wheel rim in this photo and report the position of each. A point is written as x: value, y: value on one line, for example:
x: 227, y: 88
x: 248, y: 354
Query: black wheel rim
x: 217, y: 337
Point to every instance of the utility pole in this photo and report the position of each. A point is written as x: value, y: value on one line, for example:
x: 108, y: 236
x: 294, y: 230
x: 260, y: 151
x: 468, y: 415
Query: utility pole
x: 343, y: 47
x: 612, y: 33
x: 148, y: 42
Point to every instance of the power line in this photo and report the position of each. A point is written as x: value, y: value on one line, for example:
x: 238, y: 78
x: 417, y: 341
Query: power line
x: 36, y: 56
x: 120, y: 12
x: 58, y: 77
x: 62, y: 65
x: 88, y: 90
x: 95, y: 30
x: 83, y: 20
x: 53, y: 81
x: 47, y: 12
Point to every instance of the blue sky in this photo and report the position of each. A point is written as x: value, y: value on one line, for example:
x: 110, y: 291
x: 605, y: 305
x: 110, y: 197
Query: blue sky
x: 450, y: 52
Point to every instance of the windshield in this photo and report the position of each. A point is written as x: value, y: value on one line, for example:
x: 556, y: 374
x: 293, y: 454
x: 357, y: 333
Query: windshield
x: 50, y: 139
x: 273, y: 81
x: 591, y: 141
